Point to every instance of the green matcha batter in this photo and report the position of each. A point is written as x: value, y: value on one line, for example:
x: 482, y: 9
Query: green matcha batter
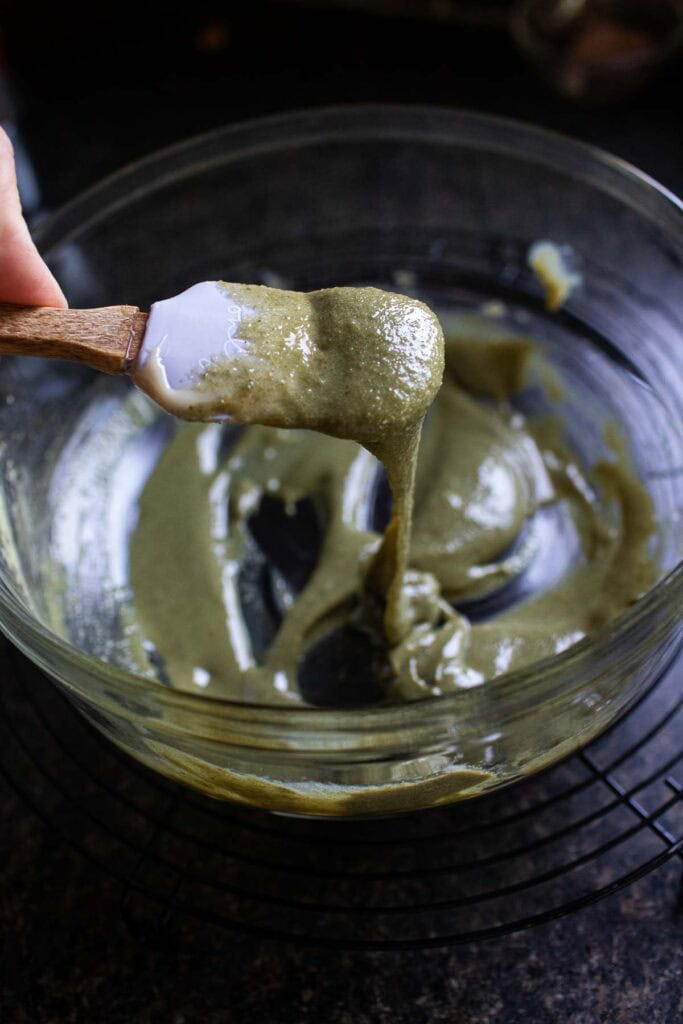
x: 484, y: 475
x: 356, y: 363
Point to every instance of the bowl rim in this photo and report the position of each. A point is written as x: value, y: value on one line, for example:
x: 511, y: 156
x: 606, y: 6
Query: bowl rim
x: 313, y: 125
x: 308, y: 120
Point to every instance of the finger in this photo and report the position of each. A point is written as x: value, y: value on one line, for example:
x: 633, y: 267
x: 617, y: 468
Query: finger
x: 24, y: 277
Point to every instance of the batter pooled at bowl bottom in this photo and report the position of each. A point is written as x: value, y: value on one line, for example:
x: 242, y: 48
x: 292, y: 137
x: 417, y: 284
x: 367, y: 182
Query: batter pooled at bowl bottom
x: 276, y: 590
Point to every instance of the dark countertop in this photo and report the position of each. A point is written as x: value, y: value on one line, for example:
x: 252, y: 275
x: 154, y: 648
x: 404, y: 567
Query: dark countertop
x: 69, y: 958
x: 67, y: 953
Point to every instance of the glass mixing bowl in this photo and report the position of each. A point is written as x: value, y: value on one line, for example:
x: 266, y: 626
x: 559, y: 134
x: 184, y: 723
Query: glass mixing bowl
x: 443, y: 203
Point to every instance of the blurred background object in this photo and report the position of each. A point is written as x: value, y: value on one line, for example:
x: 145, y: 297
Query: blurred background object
x: 598, y: 51
x: 484, y: 13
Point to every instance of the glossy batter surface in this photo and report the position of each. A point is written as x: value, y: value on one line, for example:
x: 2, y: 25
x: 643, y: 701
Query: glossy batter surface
x: 356, y: 363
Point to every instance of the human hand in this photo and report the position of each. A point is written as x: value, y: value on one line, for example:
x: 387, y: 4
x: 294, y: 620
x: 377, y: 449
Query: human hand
x: 24, y: 277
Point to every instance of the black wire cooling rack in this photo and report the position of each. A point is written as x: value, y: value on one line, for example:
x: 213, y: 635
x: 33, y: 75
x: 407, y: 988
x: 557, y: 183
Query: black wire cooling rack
x: 539, y: 850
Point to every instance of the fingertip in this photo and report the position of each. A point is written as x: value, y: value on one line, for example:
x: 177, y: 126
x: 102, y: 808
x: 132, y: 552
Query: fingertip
x: 50, y: 294
x: 5, y: 142
x: 24, y: 277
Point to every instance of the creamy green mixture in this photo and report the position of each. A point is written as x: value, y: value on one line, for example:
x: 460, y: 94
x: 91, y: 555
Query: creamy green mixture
x: 364, y: 366
x: 357, y: 363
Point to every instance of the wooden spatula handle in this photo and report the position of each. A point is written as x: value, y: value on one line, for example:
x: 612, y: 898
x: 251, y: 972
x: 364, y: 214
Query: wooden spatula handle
x: 107, y: 339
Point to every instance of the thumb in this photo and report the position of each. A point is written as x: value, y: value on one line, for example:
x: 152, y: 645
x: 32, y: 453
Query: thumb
x: 24, y: 277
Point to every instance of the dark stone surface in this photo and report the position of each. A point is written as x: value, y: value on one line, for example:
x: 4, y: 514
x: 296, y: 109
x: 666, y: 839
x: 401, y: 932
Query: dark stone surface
x: 68, y: 957
x: 66, y: 953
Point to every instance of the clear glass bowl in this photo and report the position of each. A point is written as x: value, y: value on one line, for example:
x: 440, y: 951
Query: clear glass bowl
x: 444, y: 202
